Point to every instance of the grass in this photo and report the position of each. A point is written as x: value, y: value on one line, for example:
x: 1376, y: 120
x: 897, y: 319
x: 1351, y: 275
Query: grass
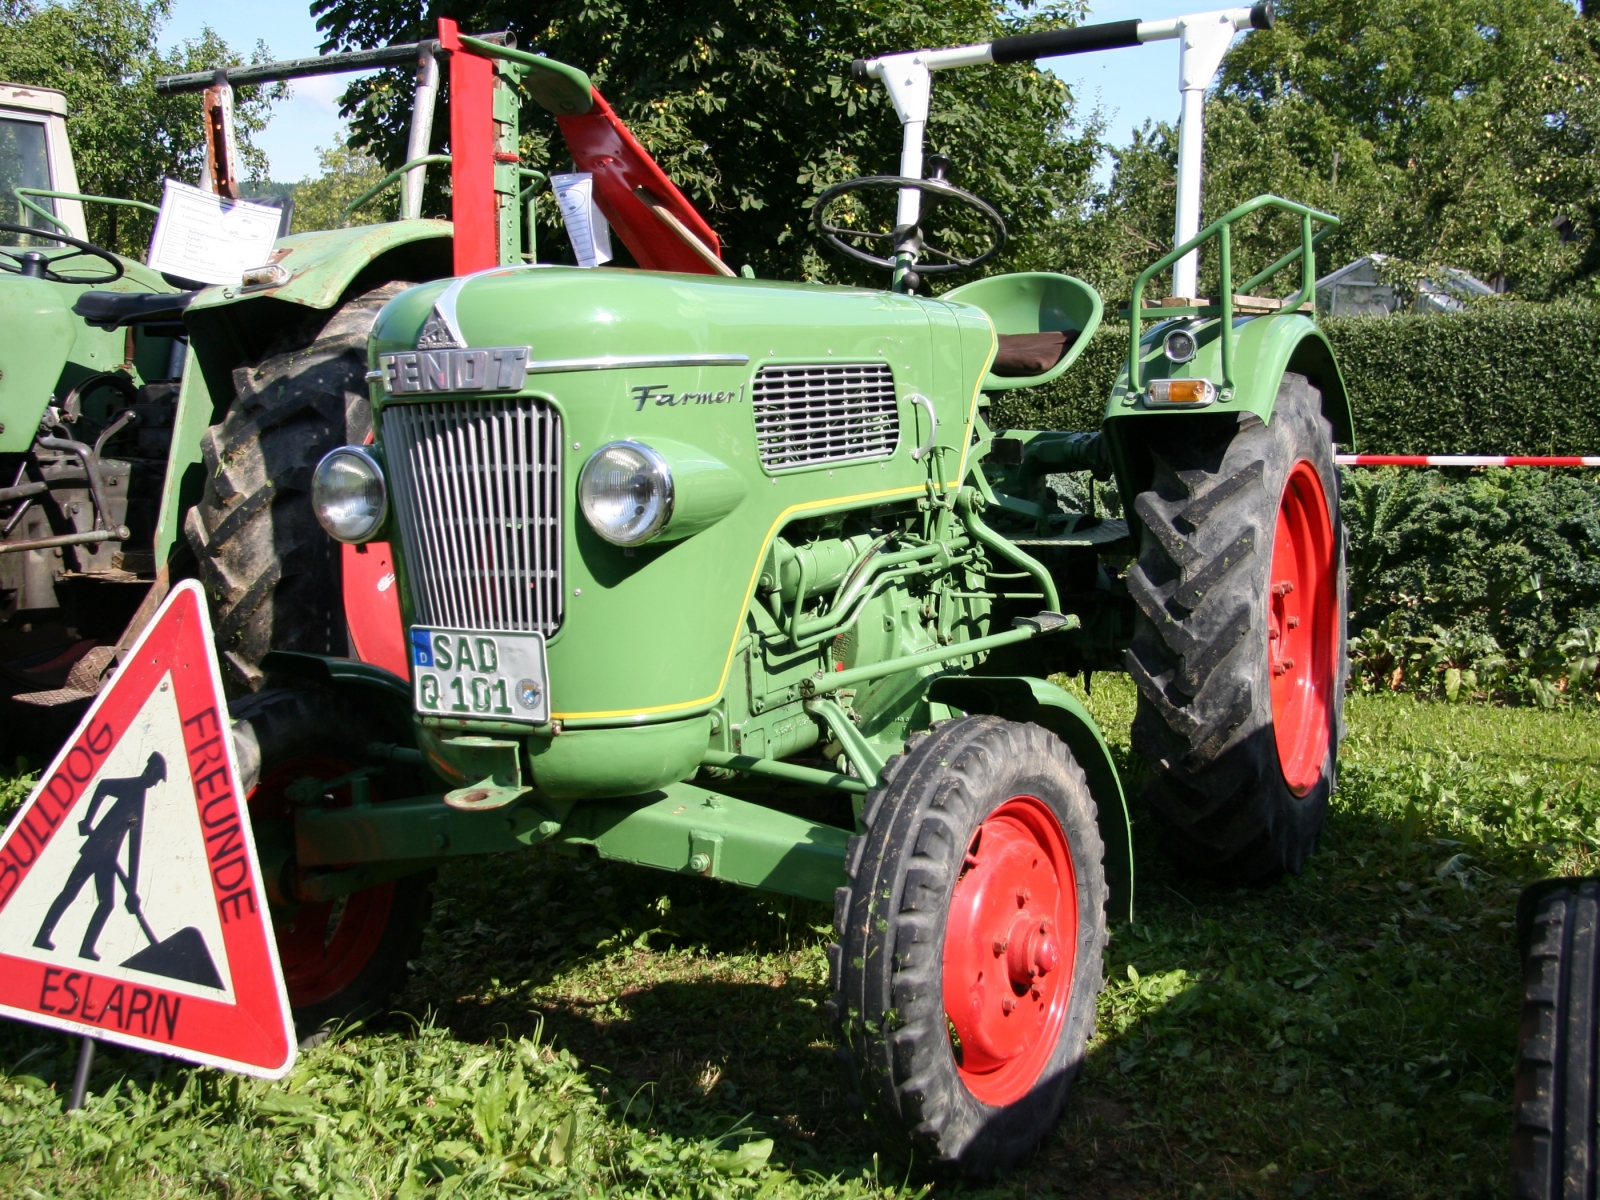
x: 582, y: 1028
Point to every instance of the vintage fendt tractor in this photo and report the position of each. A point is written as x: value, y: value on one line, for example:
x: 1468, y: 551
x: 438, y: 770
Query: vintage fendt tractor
x: 735, y: 578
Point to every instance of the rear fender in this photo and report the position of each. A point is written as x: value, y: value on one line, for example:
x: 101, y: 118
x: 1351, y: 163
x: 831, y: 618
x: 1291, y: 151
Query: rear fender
x: 1023, y: 698
x: 1264, y: 348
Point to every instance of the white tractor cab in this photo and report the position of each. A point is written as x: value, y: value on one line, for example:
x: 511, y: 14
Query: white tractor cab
x: 35, y: 154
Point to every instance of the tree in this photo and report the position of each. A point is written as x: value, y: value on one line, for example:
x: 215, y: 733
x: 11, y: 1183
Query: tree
x: 1454, y: 132
x: 321, y: 203
x: 750, y: 107
x: 125, y: 139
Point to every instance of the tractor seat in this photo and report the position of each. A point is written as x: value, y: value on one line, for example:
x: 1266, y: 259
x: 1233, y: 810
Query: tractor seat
x: 1031, y: 353
x: 112, y: 310
x: 1043, y: 322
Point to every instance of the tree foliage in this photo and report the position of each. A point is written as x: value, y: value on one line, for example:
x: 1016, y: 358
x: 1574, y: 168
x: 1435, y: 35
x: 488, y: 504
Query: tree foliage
x: 1459, y: 132
x: 125, y: 139
x: 751, y: 109
x: 345, y: 174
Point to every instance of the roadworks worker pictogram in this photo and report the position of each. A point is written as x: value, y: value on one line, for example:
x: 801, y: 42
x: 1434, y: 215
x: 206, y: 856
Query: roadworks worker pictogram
x: 130, y: 903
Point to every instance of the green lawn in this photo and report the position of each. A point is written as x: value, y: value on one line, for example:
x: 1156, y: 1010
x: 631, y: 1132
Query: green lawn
x: 582, y: 1028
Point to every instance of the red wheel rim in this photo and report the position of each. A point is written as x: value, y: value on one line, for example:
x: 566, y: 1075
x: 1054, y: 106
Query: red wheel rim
x: 1302, y: 628
x: 325, y: 946
x: 1009, y: 950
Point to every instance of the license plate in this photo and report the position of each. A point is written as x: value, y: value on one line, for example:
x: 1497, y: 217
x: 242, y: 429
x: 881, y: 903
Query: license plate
x: 482, y: 676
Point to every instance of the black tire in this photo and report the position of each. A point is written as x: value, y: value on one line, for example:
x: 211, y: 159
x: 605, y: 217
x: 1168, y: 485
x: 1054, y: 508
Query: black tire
x: 1554, y: 1154
x: 1200, y: 653
x: 888, y: 967
x: 294, y: 732
x: 271, y: 572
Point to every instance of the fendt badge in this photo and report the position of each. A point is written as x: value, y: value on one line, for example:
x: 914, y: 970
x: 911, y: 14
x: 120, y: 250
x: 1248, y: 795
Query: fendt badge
x: 492, y: 369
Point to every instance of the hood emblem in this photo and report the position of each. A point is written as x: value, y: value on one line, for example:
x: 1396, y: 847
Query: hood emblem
x: 439, y: 333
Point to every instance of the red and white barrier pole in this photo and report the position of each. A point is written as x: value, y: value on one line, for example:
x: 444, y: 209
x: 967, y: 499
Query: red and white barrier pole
x: 1464, y: 460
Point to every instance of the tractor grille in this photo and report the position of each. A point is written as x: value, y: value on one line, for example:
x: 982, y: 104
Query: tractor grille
x: 829, y: 413
x: 477, y: 490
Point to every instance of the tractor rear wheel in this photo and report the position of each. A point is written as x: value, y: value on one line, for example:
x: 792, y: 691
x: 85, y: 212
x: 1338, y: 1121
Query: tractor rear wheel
x: 271, y: 572
x: 1239, y: 647
x: 970, y: 942
x: 342, y: 959
x: 1554, y: 1149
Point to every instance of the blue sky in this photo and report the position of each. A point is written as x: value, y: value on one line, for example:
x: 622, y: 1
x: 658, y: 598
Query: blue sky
x: 1131, y: 85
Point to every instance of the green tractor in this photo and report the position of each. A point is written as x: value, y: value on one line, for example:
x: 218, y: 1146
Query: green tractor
x: 83, y: 440
x: 734, y: 578
x: 670, y: 548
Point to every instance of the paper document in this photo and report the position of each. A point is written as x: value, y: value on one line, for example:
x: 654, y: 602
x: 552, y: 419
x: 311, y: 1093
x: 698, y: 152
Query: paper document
x: 587, y: 227
x: 206, y: 238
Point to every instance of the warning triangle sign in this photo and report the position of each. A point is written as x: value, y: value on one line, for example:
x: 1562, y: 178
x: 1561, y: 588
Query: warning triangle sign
x: 131, y: 906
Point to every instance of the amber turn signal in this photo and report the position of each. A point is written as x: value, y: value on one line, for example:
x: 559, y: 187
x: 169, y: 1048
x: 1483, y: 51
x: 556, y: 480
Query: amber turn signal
x: 1181, y: 392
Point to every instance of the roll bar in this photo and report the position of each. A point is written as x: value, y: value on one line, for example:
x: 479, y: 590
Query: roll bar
x: 1205, y: 38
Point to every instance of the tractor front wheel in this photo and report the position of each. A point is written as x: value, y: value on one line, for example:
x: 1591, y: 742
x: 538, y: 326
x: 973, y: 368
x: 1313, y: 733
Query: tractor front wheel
x: 970, y: 942
x: 342, y: 959
x: 1239, y: 642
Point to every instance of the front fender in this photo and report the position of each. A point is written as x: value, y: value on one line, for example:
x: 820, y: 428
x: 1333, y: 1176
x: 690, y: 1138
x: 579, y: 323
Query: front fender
x: 323, y: 265
x: 1023, y: 698
x: 1264, y: 348
x: 365, y: 683
x: 40, y: 332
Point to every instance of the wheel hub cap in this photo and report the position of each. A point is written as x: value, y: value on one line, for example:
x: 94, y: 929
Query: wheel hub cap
x: 1010, y: 942
x: 1302, y: 628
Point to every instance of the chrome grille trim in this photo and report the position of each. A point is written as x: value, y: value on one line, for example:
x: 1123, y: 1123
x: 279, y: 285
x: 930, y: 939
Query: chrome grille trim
x: 477, y: 492
x: 809, y: 416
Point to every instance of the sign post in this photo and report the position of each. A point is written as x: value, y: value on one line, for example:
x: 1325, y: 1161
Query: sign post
x: 131, y: 905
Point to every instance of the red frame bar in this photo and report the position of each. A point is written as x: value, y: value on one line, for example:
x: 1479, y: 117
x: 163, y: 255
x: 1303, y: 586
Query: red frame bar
x: 472, y: 201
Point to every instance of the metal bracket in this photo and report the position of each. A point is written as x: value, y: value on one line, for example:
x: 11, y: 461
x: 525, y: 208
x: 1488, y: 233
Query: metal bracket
x: 866, y: 760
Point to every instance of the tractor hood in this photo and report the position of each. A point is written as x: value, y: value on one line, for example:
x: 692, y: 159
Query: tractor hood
x: 729, y: 380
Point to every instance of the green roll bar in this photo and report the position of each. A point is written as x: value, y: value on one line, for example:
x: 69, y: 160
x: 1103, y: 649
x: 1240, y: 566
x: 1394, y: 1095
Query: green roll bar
x: 22, y: 194
x: 391, y: 178
x: 1222, y: 230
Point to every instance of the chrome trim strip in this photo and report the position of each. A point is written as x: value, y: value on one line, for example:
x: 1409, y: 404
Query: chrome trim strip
x: 612, y: 362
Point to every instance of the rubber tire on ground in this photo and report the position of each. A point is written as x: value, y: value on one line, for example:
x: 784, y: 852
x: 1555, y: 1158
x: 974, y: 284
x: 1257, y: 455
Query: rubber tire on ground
x: 1204, y: 721
x: 271, y: 572
x: 278, y: 726
x: 890, y: 1025
x: 1554, y: 1153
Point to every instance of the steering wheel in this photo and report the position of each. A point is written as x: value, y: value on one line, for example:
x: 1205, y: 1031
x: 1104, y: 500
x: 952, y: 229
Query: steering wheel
x: 901, y: 238
x: 37, y: 265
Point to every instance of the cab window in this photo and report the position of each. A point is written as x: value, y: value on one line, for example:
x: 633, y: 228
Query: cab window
x: 23, y: 163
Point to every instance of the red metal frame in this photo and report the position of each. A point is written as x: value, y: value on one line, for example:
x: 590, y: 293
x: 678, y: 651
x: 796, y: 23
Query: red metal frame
x: 472, y: 203
x: 372, y: 608
x: 601, y: 144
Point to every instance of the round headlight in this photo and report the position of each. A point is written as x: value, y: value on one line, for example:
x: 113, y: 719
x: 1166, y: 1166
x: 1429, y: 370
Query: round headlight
x: 1181, y: 346
x: 348, y: 494
x: 625, y: 491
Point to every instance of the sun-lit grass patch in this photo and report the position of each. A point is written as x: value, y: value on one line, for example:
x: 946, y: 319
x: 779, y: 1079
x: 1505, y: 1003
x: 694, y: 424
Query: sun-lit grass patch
x: 582, y: 1028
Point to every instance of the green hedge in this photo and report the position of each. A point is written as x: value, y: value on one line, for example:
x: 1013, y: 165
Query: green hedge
x: 1502, y: 379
